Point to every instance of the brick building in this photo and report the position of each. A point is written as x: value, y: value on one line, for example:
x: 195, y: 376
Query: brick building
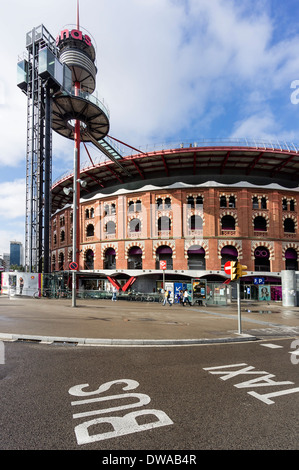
x: 195, y: 207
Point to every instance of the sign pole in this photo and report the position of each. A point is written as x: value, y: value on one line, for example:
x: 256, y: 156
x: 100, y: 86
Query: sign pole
x: 75, y: 216
x: 239, y: 306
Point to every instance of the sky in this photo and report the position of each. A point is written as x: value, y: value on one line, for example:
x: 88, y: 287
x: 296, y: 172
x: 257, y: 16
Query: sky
x: 169, y: 70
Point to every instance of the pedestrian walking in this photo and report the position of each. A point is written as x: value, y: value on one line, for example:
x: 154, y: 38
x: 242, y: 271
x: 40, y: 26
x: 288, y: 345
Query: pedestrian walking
x: 114, y: 290
x: 186, y: 298
x: 167, y: 298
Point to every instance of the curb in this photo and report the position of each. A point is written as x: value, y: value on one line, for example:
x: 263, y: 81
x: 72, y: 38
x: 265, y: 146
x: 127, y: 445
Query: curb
x: 122, y: 342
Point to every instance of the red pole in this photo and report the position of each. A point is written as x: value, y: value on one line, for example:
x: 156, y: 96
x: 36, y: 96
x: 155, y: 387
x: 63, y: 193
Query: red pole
x: 77, y: 147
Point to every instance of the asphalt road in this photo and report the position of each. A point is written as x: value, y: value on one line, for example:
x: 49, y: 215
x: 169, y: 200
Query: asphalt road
x: 206, y: 397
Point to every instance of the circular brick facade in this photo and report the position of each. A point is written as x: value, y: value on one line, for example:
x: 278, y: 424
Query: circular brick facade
x: 194, y: 209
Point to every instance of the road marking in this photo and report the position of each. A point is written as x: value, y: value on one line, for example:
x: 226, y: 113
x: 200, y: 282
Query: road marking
x: 272, y: 346
x: 264, y: 381
x: 121, y: 425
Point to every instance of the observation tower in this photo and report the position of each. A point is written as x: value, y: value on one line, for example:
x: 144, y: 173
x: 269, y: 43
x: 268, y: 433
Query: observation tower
x: 59, y: 79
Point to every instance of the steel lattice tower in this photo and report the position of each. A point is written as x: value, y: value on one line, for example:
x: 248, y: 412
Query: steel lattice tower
x: 38, y: 151
x: 58, y: 77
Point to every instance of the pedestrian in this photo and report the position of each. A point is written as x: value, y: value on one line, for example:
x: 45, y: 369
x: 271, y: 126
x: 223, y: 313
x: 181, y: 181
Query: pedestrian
x: 167, y: 298
x: 186, y: 298
x: 114, y: 290
x: 21, y: 281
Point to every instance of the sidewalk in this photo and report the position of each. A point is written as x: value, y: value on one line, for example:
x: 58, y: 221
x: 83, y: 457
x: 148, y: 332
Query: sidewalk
x: 103, y: 322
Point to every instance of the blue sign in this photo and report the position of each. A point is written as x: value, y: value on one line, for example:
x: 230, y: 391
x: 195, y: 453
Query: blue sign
x: 259, y: 280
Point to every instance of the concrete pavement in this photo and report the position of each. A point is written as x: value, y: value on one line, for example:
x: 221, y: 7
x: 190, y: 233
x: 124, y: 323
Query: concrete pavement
x: 103, y: 322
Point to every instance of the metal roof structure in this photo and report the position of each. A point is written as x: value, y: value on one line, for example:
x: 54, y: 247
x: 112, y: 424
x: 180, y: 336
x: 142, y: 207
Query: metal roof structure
x: 223, y: 161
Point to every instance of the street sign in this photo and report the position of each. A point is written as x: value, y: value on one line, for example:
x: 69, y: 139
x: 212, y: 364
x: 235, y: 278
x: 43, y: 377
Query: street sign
x: 259, y: 280
x: 163, y: 264
x: 227, y: 267
x: 73, y: 266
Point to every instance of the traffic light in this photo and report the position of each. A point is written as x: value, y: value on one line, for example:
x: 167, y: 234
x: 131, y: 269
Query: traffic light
x: 241, y: 270
x: 234, y: 270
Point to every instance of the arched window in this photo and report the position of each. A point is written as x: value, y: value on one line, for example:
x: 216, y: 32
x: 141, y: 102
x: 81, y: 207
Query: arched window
x: 261, y: 259
x: 260, y: 224
x: 53, y: 263
x: 284, y: 205
x: 289, y: 226
x: 138, y: 206
x: 159, y: 204
x: 92, y: 213
x: 196, y: 257
x: 232, y: 202
x: 255, y: 202
x: 135, y: 258
x: 86, y: 213
x: 89, y: 259
x: 62, y: 236
x: 106, y: 210
x: 199, y: 202
x: 90, y: 230
x: 195, y: 222
x: 167, y: 203
x: 228, y: 222
x: 190, y: 202
x: 131, y: 207
x: 135, y: 225
x: 264, y: 203
x: 110, y: 227
x: 292, y: 205
x: 164, y: 223
x: 61, y: 262
x: 222, y: 201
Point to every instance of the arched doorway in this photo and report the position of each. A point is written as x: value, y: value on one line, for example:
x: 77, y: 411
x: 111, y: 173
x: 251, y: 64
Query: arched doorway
x: 135, y: 258
x: 228, y: 253
x: 291, y: 259
x: 164, y: 252
x: 261, y: 259
x: 89, y: 259
x: 196, y: 257
x: 110, y: 259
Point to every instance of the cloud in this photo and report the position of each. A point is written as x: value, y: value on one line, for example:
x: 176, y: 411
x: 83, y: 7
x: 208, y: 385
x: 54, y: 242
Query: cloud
x: 12, y: 199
